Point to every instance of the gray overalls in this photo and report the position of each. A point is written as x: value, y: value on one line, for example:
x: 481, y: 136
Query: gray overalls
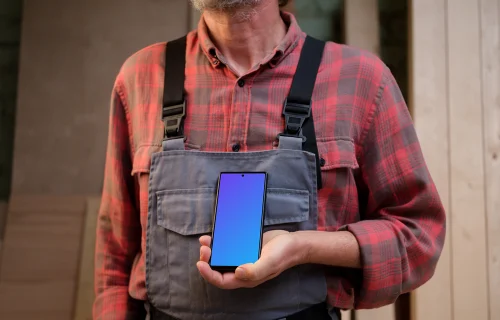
x: 182, y: 191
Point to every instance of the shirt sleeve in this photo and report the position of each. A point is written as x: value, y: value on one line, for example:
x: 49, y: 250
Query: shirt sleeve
x: 118, y: 235
x: 401, y: 233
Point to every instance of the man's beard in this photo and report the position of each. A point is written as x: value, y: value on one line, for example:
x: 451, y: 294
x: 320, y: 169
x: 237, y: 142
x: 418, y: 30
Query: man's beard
x: 223, y: 5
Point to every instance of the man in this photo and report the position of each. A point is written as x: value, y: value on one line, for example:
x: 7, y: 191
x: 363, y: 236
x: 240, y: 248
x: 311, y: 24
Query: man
x: 351, y: 182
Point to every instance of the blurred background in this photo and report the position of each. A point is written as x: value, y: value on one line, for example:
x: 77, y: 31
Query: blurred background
x: 58, y: 60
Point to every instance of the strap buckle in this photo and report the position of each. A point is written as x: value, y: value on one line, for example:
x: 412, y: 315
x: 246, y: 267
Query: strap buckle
x: 172, y: 117
x: 295, y: 115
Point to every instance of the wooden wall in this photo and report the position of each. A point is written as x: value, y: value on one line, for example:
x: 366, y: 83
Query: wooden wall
x: 71, y: 52
x: 456, y: 108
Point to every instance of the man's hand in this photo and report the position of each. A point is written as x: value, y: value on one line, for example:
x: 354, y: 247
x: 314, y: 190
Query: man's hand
x: 279, y: 253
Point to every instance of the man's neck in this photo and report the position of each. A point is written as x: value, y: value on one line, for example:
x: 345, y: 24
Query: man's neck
x: 247, y: 36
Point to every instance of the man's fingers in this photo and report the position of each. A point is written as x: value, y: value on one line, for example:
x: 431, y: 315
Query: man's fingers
x: 208, y: 274
x: 205, y: 240
x: 223, y: 281
x: 205, y: 253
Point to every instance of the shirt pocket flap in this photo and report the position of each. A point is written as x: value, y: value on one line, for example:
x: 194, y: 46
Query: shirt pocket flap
x: 190, y: 212
x: 338, y: 153
x: 142, y: 158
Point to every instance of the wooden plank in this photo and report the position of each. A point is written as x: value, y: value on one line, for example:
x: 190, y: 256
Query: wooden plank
x: 42, y: 245
x: 40, y: 257
x: 429, y: 101
x: 468, y: 225
x: 85, y: 291
x: 490, y: 40
x: 50, y: 300
x: 384, y: 313
x: 362, y: 28
x: 46, y: 203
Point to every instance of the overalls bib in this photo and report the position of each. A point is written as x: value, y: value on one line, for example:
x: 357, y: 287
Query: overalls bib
x: 182, y: 192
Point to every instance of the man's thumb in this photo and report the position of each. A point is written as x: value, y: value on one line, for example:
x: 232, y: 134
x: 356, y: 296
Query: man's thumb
x: 253, y: 271
x: 242, y: 272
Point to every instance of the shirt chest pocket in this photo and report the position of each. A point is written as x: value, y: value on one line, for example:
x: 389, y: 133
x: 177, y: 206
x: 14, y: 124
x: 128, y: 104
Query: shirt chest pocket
x: 337, y: 200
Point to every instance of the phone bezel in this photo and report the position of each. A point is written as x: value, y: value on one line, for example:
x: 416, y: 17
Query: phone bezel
x: 233, y: 268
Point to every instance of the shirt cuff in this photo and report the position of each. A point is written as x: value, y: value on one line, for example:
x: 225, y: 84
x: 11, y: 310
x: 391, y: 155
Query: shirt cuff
x: 382, y: 255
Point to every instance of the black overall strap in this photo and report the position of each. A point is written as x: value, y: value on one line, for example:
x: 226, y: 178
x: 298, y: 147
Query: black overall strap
x: 298, y: 105
x: 174, y: 105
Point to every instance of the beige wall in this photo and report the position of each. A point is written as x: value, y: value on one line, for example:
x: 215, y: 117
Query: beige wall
x: 70, y: 54
x: 456, y: 104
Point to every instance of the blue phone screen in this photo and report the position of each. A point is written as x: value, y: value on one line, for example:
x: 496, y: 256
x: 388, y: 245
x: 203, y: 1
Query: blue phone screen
x: 238, y: 219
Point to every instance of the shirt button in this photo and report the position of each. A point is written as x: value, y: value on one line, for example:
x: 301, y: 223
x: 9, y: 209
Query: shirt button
x: 322, y: 162
x: 236, y: 147
x: 241, y: 83
x: 216, y: 62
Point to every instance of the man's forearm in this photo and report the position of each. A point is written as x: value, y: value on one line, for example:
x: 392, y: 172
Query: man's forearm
x: 338, y: 249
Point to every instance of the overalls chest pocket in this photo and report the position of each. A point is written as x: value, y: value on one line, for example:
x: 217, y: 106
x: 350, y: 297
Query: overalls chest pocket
x: 190, y: 212
x: 338, y: 199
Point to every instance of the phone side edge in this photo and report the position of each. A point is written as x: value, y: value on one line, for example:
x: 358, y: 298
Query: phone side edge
x: 263, y: 216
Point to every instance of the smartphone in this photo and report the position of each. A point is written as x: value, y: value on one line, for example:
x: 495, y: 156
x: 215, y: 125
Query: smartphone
x: 238, y: 220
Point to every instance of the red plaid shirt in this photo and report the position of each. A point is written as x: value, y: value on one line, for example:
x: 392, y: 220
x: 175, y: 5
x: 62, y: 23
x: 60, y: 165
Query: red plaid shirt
x: 375, y: 181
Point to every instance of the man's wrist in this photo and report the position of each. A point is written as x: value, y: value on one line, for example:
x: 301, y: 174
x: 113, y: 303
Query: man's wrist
x: 303, y: 246
x: 328, y: 248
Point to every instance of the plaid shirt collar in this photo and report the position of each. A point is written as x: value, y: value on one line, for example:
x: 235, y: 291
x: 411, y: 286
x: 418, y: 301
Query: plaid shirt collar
x: 287, y: 44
